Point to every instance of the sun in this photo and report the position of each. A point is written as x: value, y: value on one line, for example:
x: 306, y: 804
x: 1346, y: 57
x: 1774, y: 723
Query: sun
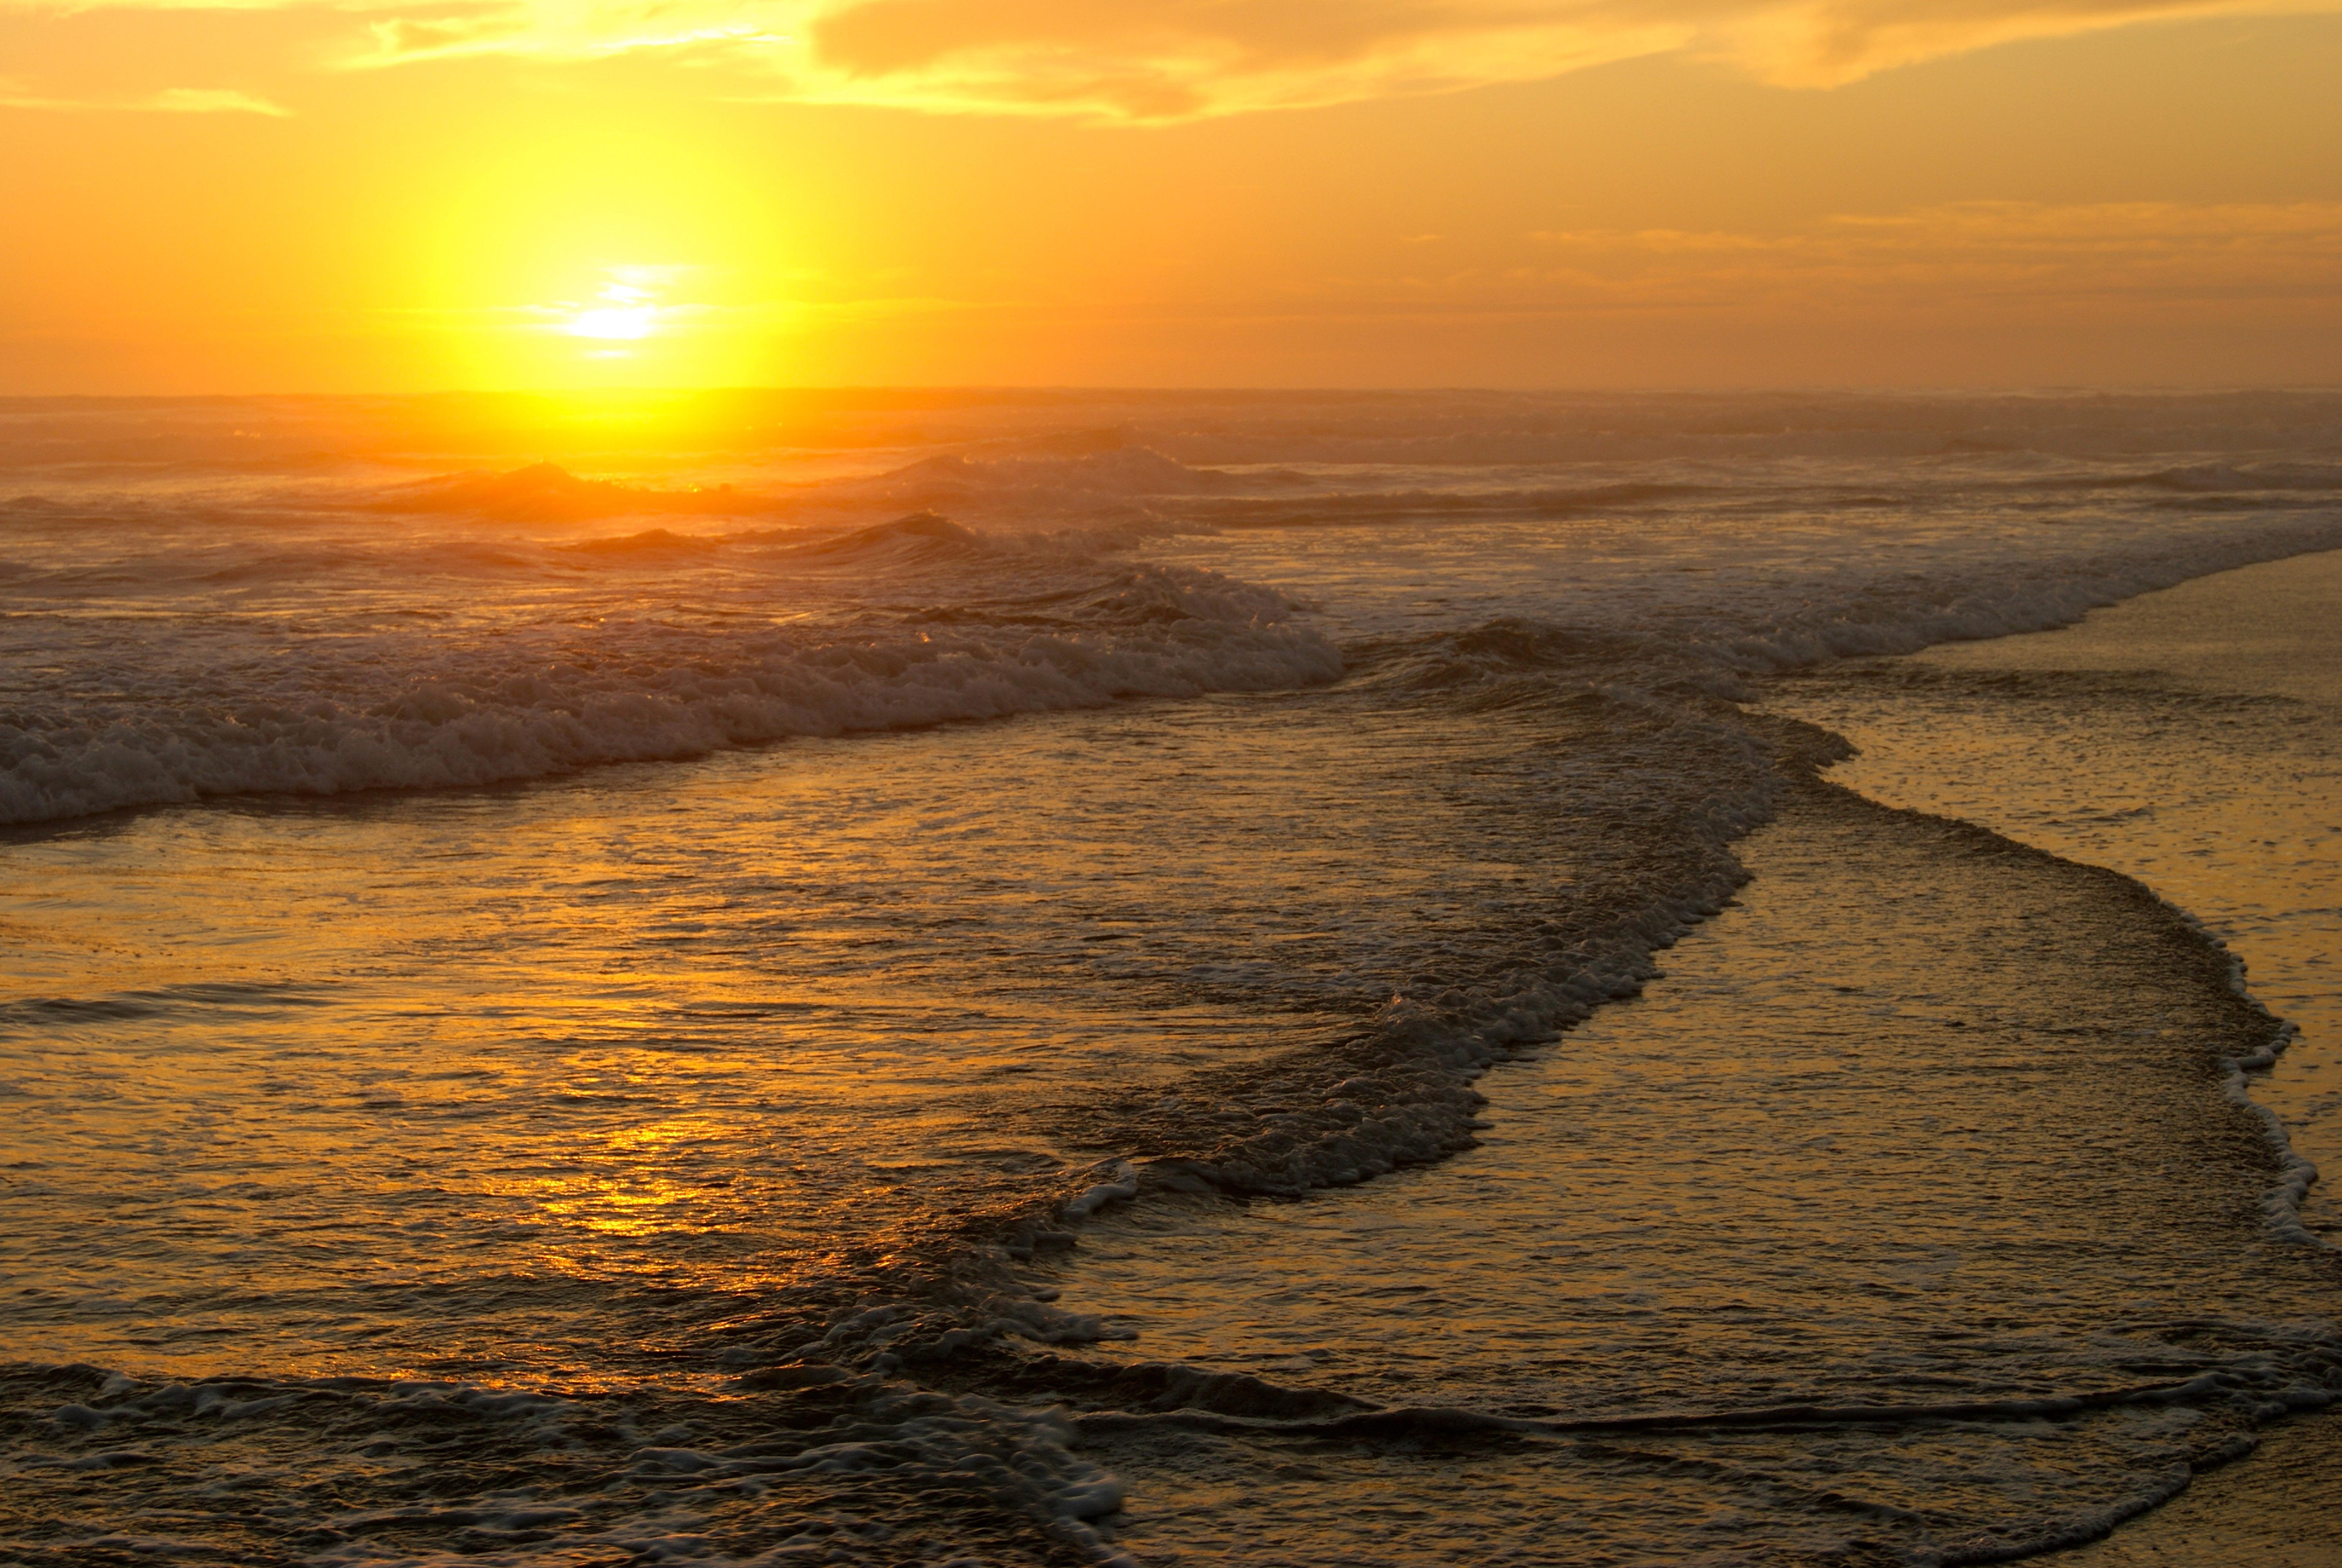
x: 626, y: 319
x: 626, y: 311
x: 603, y: 323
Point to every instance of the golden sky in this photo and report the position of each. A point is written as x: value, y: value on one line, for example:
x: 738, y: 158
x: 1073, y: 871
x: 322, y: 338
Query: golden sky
x: 559, y: 194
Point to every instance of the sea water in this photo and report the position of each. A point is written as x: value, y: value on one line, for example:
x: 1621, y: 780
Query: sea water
x: 1048, y: 977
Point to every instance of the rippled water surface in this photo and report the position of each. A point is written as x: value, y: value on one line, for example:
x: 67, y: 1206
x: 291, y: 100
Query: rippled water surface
x: 634, y: 1040
x: 1789, y: 1253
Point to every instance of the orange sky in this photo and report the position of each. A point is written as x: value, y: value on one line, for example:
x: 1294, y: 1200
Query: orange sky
x: 562, y: 193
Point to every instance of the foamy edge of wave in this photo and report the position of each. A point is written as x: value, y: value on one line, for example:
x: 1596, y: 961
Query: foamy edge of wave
x: 543, y: 722
x: 2060, y: 594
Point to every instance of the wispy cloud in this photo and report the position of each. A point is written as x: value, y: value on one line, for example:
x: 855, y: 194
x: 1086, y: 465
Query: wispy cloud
x: 559, y: 31
x: 2100, y: 256
x: 1157, y: 61
x: 1167, y: 60
x: 170, y: 101
x: 209, y: 101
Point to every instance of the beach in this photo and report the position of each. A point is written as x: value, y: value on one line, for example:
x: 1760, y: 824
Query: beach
x: 1171, y: 977
x: 2243, y: 843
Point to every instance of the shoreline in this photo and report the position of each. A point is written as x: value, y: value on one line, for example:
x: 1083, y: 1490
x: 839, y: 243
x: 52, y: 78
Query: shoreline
x: 2250, y: 636
x: 2278, y: 1506
x: 2154, y: 738
x: 1833, y: 1233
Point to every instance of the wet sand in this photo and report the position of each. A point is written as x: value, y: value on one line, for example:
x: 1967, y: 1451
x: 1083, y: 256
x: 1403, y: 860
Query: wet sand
x: 2190, y: 738
x: 2240, y: 673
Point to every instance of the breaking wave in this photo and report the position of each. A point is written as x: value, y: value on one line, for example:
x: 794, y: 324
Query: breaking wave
x: 439, y: 708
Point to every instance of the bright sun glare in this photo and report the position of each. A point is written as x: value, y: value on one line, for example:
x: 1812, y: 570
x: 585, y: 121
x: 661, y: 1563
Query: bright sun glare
x: 617, y: 323
x: 627, y: 312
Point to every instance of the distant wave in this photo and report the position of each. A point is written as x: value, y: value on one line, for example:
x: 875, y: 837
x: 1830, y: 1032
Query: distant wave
x: 1342, y: 508
x: 546, y: 492
x: 2210, y: 478
x: 649, y: 542
x: 1129, y: 471
x: 925, y: 535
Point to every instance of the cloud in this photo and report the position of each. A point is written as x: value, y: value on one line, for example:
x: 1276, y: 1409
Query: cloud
x: 1145, y: 61
x: 1155, y: 61
x: 1829, y: 43
x: 1164, y: 60
x: 208, y: 100
x: 2105, y: 256
x: 1152, y: 60
x: 170, y: 101
x: 558, y: 32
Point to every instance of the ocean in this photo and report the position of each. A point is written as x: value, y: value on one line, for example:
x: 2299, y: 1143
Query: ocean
x: 1034, y: 977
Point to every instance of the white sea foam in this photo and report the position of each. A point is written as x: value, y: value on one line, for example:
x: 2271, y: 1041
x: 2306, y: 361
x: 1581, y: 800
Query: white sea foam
x: 207, y: 709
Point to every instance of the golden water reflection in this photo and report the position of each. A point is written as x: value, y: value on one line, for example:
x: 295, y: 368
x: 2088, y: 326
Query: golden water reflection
x: 433, y: 1082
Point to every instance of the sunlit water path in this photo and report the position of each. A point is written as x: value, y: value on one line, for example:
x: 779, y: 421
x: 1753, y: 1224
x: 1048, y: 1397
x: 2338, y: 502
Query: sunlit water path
x: 665, y: 1043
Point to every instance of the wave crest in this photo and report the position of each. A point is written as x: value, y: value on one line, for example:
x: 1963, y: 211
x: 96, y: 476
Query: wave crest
x: 408, y: 712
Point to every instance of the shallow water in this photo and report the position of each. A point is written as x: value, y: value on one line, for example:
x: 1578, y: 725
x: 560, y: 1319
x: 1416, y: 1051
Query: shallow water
x: 2187, y: 738
x: 446, y: 1083
x: 1925, y: 1123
